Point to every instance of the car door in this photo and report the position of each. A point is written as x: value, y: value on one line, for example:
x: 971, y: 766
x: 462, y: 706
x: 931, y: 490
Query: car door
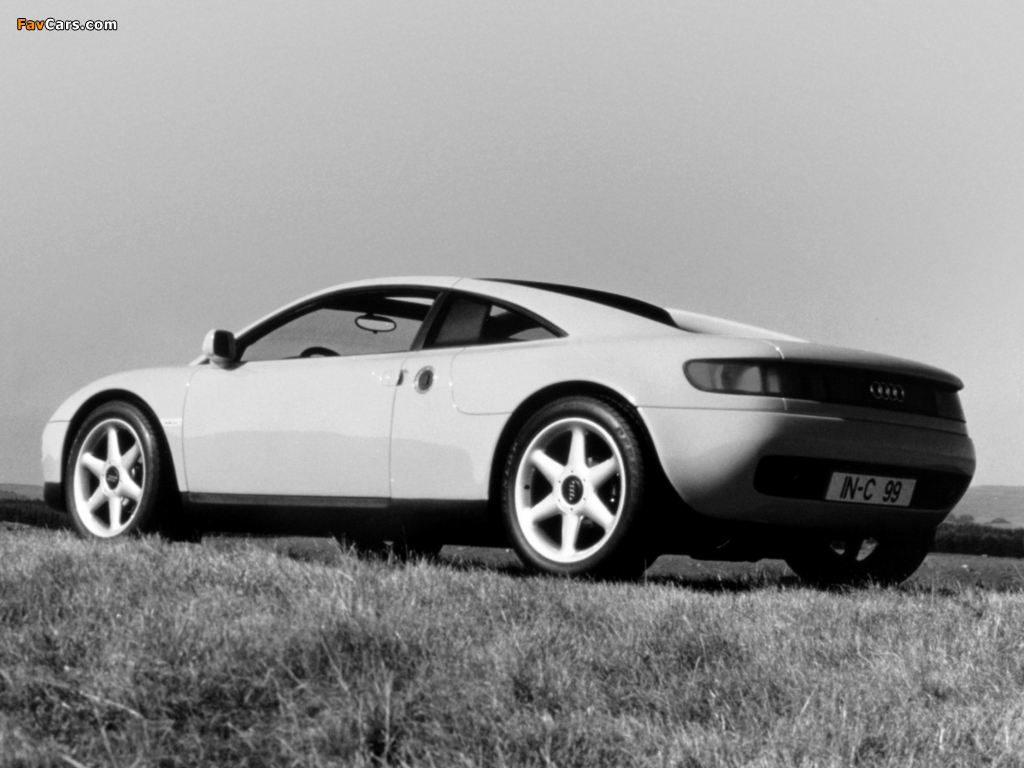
x: 307, y: 409
x: 437, y: 451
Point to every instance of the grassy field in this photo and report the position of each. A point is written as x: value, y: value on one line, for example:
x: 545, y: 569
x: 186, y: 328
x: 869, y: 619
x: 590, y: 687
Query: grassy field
x: 293, y: 652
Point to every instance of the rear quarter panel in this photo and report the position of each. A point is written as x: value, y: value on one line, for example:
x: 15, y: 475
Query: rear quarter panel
x: 646, y: 372
x: 707, y: 443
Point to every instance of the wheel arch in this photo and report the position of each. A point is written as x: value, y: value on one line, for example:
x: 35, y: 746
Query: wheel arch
x: 547, y: 395
x: 127, y: 396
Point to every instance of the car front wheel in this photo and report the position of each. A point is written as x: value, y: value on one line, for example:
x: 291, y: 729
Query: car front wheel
x: 113, y: 473
x: 572, y: 490
x: 826, y: 561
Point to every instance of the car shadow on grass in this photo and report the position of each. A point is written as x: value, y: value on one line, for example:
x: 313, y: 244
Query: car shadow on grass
x: 729, y: 584
x: 941, y: 574
x: 32, y: 513
x: 670, y: 571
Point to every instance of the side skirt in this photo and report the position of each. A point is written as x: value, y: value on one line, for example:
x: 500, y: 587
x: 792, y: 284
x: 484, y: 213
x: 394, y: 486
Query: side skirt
x: 449, y: 522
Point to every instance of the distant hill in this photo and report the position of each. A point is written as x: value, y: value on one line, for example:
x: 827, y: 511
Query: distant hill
x: 15, y: 491
x: 1001, y: 505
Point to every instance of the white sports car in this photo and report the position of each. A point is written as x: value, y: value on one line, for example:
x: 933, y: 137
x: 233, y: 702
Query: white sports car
x: 590, y: 431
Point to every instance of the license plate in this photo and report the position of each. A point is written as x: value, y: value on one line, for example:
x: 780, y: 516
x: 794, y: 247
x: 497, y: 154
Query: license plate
x: 870, y: 489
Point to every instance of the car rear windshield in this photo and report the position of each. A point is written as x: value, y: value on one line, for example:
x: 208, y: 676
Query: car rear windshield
x: 613, y: 300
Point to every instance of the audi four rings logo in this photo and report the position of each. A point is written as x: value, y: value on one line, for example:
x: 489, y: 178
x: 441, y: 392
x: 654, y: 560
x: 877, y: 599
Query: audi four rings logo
x: 883, y: 390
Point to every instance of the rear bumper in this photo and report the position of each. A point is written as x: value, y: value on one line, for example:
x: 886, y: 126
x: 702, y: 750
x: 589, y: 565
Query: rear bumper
x: 773, y: 467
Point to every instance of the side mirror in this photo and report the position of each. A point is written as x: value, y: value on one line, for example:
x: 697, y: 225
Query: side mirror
x: 219, y: 347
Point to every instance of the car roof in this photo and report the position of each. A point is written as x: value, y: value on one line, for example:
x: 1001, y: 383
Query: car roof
x: 588, y: 313
x: 579, y: 311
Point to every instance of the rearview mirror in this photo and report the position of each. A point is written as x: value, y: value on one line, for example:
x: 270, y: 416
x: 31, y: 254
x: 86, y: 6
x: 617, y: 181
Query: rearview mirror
x: 219, y: 347
x: 376, y: 323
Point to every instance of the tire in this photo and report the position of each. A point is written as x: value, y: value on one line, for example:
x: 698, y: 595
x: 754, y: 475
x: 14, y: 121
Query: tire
x: 572, y: 491
x: 112, y: 480
x: 825, y: 561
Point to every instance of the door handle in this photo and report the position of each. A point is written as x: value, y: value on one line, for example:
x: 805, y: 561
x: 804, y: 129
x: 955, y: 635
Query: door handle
x: 423, y: 380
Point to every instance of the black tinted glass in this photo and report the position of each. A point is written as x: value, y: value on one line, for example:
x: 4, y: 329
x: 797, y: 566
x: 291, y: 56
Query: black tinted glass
x: 468, y: 320
x: 363, y: 323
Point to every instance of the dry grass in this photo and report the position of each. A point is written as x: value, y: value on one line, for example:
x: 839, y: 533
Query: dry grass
x: 144, y: 653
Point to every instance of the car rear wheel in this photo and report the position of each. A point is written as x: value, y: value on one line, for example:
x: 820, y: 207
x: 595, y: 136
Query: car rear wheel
x: 573, y: 488
x: 856, y: 560
x: 113, y: 473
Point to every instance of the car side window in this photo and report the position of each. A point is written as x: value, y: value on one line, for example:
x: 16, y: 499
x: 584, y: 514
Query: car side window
x: 469, y: 320
x: 356, y: 323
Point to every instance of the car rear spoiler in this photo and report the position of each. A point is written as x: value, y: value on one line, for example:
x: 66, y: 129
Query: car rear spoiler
x: 697, y: 323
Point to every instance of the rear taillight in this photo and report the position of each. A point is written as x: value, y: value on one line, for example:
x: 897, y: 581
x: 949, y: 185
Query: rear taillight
x: 732, y: 377
x: 826, y: 384
x: 948, y: 406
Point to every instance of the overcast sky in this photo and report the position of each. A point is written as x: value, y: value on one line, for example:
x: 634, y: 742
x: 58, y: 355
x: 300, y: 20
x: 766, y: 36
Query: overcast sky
x: 851, y: 173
